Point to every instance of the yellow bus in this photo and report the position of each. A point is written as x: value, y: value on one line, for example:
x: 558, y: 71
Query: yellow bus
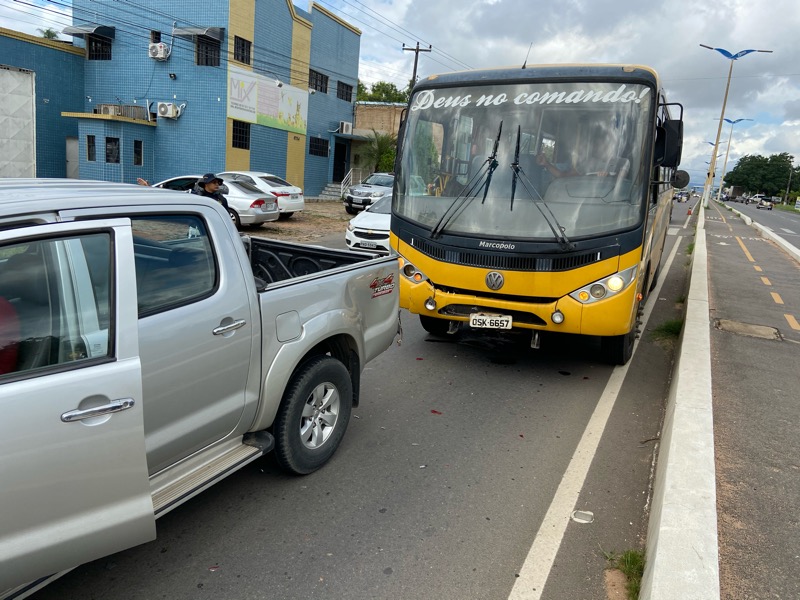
x: 536, y: 199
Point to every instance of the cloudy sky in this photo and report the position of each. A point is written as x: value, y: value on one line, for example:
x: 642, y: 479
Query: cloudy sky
x: 664, y: 35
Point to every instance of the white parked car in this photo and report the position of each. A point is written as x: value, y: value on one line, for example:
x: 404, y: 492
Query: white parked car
x: 369, y: 230
x: 290, y: 197
x: 247, y: 205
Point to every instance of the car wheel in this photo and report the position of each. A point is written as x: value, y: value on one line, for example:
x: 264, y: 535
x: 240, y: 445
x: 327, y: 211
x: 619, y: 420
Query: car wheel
x: 285, y: 215
x: 313, y: 415
x: 350, y: 210
x: 434, y: 325
x: 235, y: 218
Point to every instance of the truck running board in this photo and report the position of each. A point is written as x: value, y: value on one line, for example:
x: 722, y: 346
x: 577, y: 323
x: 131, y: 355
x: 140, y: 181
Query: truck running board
x: 198, y: 480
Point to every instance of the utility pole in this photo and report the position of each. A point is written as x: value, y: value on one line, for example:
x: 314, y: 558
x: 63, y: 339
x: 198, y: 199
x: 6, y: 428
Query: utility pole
x: 416, y: 52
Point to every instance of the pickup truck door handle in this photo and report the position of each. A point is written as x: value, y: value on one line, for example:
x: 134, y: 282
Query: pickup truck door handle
x: 97, y: 411
x: 223, y: 329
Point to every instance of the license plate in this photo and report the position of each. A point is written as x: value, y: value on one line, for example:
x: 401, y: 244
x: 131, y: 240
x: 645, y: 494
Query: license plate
x: 369, y: 245
x: 489, y: 321
x: 294, y: 196
x: 357, y: 200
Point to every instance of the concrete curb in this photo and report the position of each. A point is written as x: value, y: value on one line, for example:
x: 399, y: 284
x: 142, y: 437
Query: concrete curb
x: 682, y: 545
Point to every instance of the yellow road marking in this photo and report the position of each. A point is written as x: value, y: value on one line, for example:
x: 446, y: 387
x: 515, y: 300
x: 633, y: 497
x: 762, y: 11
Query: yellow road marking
x: 793, y: 322
x: 765, y: 281
x: 777, y: 298
x: 757, y: 268
x: 745, y: 250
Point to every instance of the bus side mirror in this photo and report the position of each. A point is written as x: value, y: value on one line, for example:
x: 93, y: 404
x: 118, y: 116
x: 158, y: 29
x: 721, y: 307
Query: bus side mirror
x: 680, y: 179
x: 669, y: 144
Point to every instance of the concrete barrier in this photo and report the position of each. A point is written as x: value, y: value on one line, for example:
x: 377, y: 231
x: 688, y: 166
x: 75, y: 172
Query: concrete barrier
x: 682, y: 546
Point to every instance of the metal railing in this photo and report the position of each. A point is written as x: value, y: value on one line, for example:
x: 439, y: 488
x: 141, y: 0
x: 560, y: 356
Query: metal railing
x: 353, y: 175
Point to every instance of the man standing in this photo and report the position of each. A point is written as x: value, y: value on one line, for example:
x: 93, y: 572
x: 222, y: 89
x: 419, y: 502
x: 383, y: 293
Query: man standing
x: 208, y: 185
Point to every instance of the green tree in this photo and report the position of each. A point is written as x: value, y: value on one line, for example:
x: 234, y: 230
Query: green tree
x: 760, y: 174
x: 362, y: 91
x: 48, y: 34
x: 426, y: 153
x: 380, y: 152
x: 383, y: 91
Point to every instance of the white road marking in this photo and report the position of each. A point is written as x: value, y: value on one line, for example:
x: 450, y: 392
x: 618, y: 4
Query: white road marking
x: 788, y: 231
x: 673, y: 230
x: 536, y: 568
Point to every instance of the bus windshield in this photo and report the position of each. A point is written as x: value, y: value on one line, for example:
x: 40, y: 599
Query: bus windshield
x: 526, y: 160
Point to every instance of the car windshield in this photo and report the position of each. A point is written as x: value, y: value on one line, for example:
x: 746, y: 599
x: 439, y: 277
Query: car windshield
x: 493, y: 159
x: 275, y: 181
x: 382, y: 206
x: 381, y: 180
x: 246, y: 187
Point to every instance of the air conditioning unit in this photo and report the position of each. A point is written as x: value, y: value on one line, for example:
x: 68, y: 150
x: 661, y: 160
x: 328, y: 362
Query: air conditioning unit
x: 169, y: 110
x: 345, y: 127
x: 159, y: 51
x: 110, y: 109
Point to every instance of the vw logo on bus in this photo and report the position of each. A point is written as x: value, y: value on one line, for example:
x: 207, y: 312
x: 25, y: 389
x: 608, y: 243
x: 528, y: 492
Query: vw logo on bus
x: 494, y: 280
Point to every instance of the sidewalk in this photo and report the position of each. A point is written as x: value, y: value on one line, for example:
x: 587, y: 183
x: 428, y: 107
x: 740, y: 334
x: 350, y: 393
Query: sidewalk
x: 723, y: 522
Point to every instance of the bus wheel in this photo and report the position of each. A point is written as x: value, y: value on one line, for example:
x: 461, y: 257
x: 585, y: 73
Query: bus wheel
x: 434, y: 325
x: 618, y: 349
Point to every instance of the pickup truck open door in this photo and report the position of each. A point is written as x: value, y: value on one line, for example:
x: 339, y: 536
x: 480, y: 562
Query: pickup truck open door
x: 69, y: 371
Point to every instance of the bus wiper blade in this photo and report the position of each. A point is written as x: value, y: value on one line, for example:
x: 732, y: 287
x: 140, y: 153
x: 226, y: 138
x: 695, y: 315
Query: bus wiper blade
x: 462, y: 200
x: 492, y: 162
x: 554, y: 225
x: 515, y: 167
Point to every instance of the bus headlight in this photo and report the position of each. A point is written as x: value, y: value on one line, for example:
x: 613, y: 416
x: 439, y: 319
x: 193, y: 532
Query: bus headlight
x: 606, y: 287
x: 409, y: 271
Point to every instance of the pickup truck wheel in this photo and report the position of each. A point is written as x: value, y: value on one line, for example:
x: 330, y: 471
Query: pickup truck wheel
x: 313, y: 415
x: 351, y: 211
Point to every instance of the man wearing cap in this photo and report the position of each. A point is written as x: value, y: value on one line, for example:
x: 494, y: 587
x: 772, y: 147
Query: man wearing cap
x: 208, y: 185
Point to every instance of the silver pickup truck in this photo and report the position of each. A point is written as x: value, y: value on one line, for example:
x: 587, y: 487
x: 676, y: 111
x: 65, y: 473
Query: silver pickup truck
x: 147, y: 351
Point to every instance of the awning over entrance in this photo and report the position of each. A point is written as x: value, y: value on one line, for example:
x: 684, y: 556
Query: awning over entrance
x: 80, y: 31
x: 215, y: 33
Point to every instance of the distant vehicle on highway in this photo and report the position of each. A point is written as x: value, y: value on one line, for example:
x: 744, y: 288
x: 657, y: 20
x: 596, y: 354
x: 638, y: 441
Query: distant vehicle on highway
x: 765, y: 203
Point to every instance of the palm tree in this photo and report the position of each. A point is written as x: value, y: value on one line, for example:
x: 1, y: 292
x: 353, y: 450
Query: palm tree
x: 380, y: 151
x: 48, y: 34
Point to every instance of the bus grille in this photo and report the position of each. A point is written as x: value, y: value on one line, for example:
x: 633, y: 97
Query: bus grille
x: 510, y: 262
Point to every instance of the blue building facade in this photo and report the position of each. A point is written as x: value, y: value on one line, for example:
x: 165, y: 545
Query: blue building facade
x: 58, y: 71
x: 184, y: 87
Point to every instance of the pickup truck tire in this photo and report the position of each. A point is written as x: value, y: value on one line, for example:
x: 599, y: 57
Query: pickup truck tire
x: 313, y: 415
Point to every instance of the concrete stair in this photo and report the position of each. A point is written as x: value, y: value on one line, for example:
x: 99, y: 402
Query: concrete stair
x: 332, y: 191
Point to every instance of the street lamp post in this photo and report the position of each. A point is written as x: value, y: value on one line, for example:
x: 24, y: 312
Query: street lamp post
x: 731, y: 57
x: 725, y: 164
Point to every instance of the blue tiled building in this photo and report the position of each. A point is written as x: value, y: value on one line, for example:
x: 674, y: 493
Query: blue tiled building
x: 186, y: 87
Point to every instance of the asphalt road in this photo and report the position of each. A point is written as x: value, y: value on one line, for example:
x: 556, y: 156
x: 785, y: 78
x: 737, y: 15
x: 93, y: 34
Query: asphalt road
x: 459, y: 453
x: 755, y: 309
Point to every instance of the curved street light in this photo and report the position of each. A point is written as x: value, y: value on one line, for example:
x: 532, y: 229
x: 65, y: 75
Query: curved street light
x: 725, y: 164
x: 732, y: 57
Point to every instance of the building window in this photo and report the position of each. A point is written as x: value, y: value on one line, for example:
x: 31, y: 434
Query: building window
x: 318, y: 147
x: 344, y: 92
x: 207, y: 51
x: 138, y: 153
x: 318, y: 81
x: 91, y: 150
x: 112, y: 150
x: 241, y: 50
x: 241, y: 135
x: 98, y: 48
x: 155, y: 37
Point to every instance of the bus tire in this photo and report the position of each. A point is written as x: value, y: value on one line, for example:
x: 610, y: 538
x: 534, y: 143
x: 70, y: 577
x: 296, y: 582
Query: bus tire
x: 618, y: 349
x: 434, y: 325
